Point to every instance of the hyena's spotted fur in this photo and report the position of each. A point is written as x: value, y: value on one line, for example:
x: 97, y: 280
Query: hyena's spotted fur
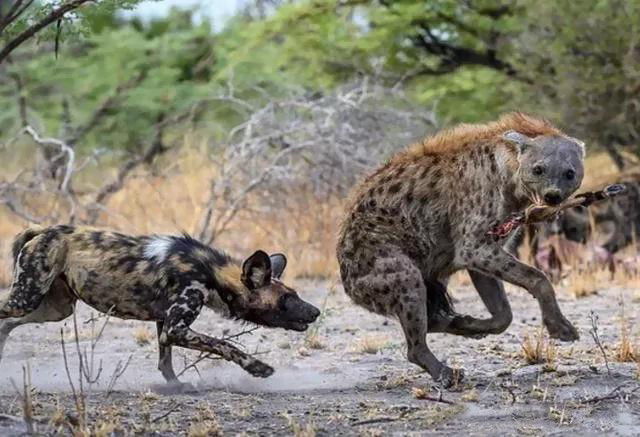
x: 166, y: 279
x: 425, y: 214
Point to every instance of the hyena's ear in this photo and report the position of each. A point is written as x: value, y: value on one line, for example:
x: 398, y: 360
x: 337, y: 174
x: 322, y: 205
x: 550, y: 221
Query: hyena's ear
x: 520, y: 140
x: 580, y: 144
x: 278, y: 263
x: 256, y: 270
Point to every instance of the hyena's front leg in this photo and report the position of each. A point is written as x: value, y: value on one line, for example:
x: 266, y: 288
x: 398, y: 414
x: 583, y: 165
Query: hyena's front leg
x: 492, y: 293
x: 177, y: 332
x: 492, y: 260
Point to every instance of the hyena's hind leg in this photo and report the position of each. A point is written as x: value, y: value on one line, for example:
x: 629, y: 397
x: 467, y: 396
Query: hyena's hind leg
x: 38, y: 264
x: 396, y: 282
x: 58, y: 304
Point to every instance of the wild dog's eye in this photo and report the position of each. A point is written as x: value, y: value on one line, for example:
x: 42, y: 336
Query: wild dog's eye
x: 538, y: 170
x: 570, y: 174
x: 229, y: 297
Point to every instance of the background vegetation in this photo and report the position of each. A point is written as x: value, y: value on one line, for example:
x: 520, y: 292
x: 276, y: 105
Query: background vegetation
x: 251, y: 134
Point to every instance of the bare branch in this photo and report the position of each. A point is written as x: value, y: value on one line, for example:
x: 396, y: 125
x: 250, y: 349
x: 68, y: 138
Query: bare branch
x: 51, y: 17
x: 64, y: 147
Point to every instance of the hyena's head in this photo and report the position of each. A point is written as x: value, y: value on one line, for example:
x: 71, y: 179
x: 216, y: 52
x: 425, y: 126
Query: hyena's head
x: 265, y: 300
x: 551, y: 167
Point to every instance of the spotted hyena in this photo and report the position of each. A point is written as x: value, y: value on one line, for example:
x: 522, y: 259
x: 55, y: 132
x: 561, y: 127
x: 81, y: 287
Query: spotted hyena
x: 165, y: 279
x: 425, y: 214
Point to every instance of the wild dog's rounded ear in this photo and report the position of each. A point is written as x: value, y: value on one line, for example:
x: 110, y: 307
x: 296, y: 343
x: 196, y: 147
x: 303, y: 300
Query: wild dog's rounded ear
x: 278, y: 264
x: 256, y: 270
x: 520, y: 140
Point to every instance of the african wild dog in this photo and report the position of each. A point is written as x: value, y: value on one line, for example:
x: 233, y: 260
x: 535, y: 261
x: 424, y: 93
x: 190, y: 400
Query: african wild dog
x: 425, y: 214
x: 166, y: 279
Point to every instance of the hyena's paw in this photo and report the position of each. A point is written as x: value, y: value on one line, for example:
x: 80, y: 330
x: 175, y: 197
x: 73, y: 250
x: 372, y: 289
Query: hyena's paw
x: 450, y: 377
x: 562, y: 329
x: 259, y: 369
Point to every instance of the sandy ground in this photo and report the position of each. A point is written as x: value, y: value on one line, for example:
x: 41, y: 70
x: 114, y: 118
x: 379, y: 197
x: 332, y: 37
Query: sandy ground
x: 346, y: 376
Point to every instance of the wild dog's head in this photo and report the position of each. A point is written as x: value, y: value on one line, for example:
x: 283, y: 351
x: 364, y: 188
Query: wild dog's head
x: 260, y: 297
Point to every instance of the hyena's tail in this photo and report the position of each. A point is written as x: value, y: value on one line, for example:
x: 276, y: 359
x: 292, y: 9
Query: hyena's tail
x: 23, y: 238
x: 438, y: 299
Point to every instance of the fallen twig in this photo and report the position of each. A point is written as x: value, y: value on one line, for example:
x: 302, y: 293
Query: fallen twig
x: 613, y: 394
x: 173, y: 408
x: 382, y: 419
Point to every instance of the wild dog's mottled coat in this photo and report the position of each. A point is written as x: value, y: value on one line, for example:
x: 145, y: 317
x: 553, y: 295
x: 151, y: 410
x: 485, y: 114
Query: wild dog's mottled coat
x: 167, y: 279
x: 425, y: 214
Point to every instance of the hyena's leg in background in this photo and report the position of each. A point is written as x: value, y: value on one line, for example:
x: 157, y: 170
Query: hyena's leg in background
x: 492, y: 260
x: 165, y: 361
x: 40, y: 261
x: 492, y: 293
x: 58, y: 304
x: 182, y: 312
x: 395, y: 282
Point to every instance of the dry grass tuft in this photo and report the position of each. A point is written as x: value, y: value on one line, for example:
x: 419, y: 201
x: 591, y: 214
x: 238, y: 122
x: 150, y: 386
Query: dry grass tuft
x: 299, y: 430
x: 205, y: 423
x: 536, y: 349
x: 371, y: 344
x: 143, y: 336
x: 314, y: 341
x: 625, y: 352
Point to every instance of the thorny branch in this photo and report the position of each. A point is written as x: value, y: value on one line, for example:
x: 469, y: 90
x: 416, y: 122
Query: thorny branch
x: 596, y: 338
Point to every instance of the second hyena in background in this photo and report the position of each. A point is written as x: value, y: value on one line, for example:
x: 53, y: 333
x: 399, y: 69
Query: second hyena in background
x: 425, y: 214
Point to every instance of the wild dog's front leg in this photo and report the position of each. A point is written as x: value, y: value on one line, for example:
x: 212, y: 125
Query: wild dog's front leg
x: 490, y: 259
x: 165, y: 357
x: 177, y: 332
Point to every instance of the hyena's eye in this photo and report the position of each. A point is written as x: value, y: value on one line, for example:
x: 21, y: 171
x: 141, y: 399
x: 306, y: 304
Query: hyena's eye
x: 538, y: 170
x: 570, y: 174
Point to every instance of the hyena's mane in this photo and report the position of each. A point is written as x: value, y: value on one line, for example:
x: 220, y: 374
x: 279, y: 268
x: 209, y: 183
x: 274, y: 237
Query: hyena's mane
x: 464, y: 135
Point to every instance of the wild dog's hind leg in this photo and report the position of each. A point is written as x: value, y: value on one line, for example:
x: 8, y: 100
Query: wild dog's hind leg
x: 176, y: 331
x: 395, y: 282
x: 58, y: 304
x: 39, y: 263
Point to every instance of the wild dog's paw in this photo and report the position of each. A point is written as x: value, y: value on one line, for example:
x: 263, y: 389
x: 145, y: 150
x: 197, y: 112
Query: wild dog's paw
x: 259, y: 369
x: 562, y: 330
x: 450, y: 377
